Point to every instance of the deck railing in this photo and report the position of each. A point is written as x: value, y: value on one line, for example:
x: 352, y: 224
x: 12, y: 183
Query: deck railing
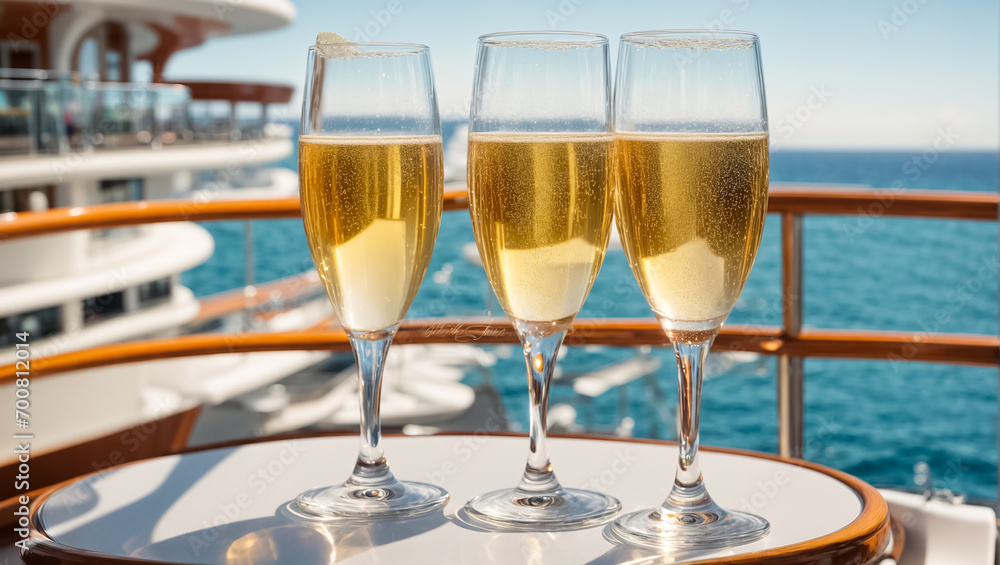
x: 43, y: 112
x: 789, y: 342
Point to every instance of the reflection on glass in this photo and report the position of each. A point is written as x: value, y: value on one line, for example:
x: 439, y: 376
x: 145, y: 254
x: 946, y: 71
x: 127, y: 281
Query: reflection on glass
x: 293, y: 544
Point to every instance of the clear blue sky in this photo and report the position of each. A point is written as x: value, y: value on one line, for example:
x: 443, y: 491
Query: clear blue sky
x: 892, y: 72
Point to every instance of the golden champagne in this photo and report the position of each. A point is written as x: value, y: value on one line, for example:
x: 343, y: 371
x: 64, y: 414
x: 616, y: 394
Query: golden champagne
x: 690, y: 211
x: 371, y: 208
x: 541, y: 209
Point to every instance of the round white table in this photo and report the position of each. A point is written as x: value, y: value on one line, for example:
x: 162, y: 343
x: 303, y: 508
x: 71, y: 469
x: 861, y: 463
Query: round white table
x: 229, y: 505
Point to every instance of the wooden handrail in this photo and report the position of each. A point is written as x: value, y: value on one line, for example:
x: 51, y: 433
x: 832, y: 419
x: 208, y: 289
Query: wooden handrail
x: 122, y: 214
x: 263, y: 93
x: 56, y: 220
x: 909, y: 203
x: 979, y: 350
x: 899, y: 202
x: 230, y: 301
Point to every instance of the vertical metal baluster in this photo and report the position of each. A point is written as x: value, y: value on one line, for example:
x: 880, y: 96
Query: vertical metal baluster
x: 234, y: 132
x: 790, y: 369
x: 248, y: 272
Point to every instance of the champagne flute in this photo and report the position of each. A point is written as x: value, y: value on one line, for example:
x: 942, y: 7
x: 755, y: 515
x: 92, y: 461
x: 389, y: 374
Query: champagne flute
x: 692, y: 161
x: 540, y: 195
x: 372, y: 185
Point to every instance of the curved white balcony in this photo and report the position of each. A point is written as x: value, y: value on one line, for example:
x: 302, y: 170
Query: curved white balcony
x: 55, y: 169
x: 161, y: 251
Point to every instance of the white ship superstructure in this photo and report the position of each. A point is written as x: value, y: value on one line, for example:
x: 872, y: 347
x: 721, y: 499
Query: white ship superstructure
x: 87, y: 117
x: 100, y: 125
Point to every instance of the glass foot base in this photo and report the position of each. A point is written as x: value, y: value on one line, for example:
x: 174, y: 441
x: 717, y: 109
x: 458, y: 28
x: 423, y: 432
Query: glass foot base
x: 560, y: 510
x: 394, y: 499
x: 688, y: 530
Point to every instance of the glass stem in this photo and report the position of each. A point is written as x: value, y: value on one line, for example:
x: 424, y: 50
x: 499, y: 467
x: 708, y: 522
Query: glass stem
x: 540, y: 356
x: 370, y: 351
x: 689, y: 501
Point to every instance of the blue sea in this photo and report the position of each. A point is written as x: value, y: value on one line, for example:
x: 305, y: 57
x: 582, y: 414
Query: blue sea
x: 873, y: 419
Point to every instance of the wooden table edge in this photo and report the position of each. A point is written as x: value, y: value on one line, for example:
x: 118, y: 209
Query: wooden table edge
x: 862, y: 541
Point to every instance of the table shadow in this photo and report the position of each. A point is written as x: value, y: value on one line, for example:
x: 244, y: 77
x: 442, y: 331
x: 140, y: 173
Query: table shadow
x: 286, y: 538
x: 142, y: 514
x: 282, y: 538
